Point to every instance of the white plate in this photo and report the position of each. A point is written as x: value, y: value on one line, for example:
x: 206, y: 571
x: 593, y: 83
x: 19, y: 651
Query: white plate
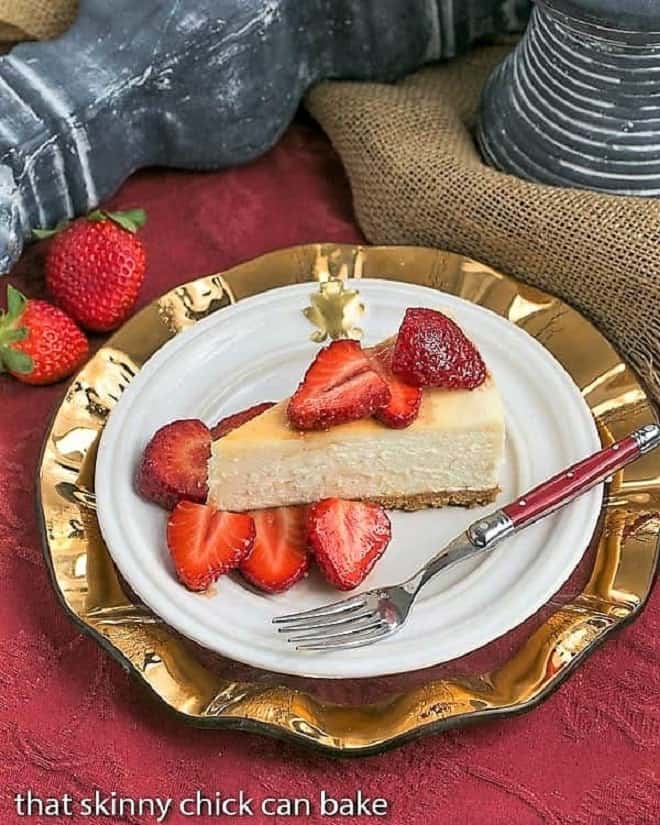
x: 257, y: 350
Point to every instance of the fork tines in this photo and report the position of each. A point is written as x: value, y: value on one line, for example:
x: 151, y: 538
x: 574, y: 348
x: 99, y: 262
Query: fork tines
x: 345, y: 624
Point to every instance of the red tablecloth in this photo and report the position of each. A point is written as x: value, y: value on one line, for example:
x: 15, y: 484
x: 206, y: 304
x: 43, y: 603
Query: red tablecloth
x: 71, y: 720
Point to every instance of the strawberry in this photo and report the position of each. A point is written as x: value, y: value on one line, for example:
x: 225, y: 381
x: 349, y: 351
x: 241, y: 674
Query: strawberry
x: 279, y: 557
x: 231, y: 422
x: 205, y: 543
x: 405, y: 399
x: 339, y: 386
x: 95, y: 267
x: 347, y: 539
x: 431, y: 350
x: 174, y: 464
x: 39, y: 344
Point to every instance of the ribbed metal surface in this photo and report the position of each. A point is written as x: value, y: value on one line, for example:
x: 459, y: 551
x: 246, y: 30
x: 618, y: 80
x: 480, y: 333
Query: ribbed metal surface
x: 577, y: 104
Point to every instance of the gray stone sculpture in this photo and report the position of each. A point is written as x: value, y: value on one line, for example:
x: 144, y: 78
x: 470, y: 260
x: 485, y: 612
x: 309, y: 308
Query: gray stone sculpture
x: 578, y: 101
x: 195, y: 84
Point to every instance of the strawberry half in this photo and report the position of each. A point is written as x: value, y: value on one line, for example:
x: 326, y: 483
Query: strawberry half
x: 279, y: 557
x: 339, y: 386
x: 405, y: 400
x: 347, y: 539
x: 231, y: 422
x: 205, y: 543
x: 174, y: 464
x: 431, y: 350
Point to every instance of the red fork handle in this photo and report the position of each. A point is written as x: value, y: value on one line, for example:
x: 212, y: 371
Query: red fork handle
x: 569, y: 484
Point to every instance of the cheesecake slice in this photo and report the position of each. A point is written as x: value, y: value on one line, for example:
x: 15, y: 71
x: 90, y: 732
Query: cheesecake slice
x: 451, y: 454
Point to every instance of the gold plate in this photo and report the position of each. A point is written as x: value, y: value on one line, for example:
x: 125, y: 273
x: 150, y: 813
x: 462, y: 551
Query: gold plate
x: 209, y: 691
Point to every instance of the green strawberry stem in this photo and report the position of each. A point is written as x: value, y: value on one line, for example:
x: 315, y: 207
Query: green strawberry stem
x: 10, y: 358
x: 16, y: 302
x: 131, y: 220
x: 42, y: 234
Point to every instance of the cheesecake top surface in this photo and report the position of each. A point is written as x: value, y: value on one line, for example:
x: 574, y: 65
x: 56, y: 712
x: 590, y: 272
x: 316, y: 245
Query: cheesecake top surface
x: 447, y: 410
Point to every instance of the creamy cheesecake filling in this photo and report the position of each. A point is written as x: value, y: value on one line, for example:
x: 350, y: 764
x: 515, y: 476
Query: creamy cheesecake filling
x: 455, y: 445
x: 395, y: 467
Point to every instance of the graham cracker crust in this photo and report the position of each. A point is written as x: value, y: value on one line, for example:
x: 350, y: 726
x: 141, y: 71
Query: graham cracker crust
x: 461, y: 498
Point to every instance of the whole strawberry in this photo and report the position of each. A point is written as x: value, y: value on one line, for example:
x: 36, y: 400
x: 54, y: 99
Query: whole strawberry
x: 95, y: 267
x: 39, y: 343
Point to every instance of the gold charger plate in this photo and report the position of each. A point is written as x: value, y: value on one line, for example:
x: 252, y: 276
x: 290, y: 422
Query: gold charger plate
x: 208, y: 691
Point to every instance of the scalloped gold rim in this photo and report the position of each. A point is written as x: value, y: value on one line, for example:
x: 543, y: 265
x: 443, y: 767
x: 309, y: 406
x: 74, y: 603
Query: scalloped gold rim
x: 90, y: 590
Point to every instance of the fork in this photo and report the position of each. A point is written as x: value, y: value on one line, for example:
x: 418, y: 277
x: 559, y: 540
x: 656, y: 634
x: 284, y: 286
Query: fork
x: 377, y: 614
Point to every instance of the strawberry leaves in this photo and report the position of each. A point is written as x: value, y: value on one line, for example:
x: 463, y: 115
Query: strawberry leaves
x: 43, y: 234
x: 131, y: 220
x: 12, y: 359
x: 15, y: 303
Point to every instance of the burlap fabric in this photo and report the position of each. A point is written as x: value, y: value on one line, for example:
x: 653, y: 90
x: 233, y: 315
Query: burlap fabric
x: 35, y: 19
x: 417, y: 178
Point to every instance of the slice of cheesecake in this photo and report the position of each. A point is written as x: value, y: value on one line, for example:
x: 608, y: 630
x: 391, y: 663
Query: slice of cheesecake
x: 450, y: 454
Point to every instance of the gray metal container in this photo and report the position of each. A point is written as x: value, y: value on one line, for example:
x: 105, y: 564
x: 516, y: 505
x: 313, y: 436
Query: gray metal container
x: 577, y: 103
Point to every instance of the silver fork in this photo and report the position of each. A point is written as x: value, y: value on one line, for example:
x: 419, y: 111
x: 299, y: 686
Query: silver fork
x: 376, y: 614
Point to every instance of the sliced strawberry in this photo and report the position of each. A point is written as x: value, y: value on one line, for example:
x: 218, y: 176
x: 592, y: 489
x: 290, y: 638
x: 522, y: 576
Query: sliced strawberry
x: 279, y: 557
x: 347, y: 539
x: 405, y: 400
x: 433, y: 351
x: 339, y: 386
x: 205, y: 543
x: 231, y: 422
x: 174, y: 464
